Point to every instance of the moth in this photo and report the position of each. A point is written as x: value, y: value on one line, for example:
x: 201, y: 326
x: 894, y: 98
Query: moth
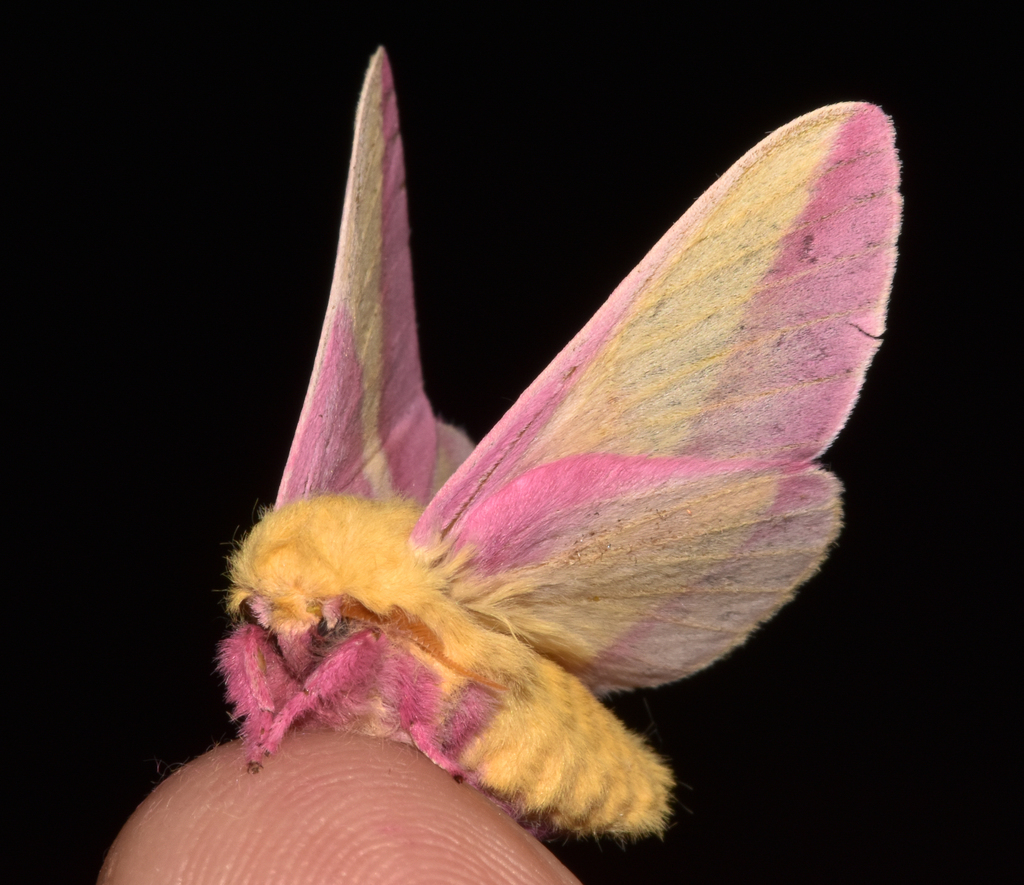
x: 649, y: 500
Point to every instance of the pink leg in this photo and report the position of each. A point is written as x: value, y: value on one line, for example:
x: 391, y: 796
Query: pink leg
x: 411, y: 689
x: 243, y: 659
x: 334, y: 691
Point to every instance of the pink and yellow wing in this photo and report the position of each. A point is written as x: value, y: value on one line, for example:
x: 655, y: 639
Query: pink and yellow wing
x: 366, y: 426
x: 653, y: 496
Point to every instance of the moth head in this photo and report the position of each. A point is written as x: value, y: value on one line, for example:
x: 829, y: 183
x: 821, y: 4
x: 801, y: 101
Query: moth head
x: 317, y: 560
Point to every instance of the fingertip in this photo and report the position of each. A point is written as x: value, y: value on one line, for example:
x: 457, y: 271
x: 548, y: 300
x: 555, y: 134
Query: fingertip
x: 327, y: 807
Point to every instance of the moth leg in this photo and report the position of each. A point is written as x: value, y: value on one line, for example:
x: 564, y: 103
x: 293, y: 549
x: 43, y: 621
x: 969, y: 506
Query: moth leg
x: 243, y: 659
x: 414, y: 690
x: 346, y: 670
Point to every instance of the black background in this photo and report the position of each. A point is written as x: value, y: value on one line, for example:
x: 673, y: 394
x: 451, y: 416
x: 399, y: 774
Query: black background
x: 176, y: 213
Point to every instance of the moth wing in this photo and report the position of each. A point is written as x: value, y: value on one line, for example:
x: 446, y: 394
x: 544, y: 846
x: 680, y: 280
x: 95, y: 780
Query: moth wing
x: 669, y: 450
x: 366, y: 427
x: 633, y: 571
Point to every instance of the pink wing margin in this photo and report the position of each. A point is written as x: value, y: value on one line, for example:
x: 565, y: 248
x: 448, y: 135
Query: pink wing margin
x: 653, y: 496
x: 366, y: 427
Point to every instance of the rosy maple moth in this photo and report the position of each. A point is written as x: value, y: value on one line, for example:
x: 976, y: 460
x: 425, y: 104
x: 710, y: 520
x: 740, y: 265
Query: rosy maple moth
x: 648, y: 501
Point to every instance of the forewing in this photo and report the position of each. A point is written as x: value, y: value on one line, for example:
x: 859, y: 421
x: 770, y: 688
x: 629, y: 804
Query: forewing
x: 744, y: 333
x: 653, y: 496
x: 366, y: 426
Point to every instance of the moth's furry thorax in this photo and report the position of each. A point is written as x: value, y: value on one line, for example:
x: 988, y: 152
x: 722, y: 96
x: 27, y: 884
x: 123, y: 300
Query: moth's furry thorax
x: 300, y: 558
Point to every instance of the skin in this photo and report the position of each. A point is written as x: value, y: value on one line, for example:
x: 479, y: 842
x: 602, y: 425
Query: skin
x: 328, y: 807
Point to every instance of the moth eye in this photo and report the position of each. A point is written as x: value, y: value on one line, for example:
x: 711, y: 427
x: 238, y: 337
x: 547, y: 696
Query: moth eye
x: 332, y: 631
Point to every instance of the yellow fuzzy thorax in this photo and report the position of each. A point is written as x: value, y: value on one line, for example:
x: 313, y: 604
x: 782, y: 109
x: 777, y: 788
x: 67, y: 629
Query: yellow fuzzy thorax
x: 314, y: 550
